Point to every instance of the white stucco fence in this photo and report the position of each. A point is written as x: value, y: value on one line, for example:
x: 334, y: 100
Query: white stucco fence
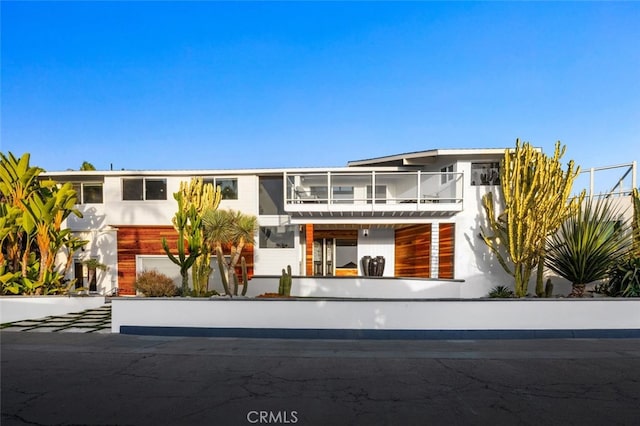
x: 18, y: 308
x: 350, y: 314
x: 361, y: 287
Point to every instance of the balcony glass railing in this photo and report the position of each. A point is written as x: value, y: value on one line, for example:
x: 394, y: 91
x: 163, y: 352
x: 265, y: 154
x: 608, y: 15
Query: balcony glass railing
x: 371, y: 188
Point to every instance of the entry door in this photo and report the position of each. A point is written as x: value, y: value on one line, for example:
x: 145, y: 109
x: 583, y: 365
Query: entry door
x: 323, y: 255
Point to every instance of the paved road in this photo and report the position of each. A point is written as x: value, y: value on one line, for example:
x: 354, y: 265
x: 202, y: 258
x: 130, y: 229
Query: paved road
x: 102, y: 379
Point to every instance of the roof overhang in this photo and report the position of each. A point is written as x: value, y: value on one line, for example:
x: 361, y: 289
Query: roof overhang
x: 421, y: 158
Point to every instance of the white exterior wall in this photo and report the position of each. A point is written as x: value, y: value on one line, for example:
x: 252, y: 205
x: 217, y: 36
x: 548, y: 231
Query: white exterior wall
x: 379, y: 242
x: 102, y: 246
x: 14, y: 308
x: 473, y: 261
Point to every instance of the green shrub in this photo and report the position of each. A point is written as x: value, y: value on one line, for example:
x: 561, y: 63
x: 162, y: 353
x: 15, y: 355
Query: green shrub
x: 587, y: 245
x: 501, y: 292
x: 624, y: 279
x: 155, y: 284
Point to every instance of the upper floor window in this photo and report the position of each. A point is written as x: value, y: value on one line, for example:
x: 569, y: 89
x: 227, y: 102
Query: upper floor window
x: 485, y: 173
x: 342, y: 194
x: 89, y: 192
x: 271, y: 195
x: 447, y: 174
x: 228, y: 187
x: 138, y: 189
x: 381, y: 194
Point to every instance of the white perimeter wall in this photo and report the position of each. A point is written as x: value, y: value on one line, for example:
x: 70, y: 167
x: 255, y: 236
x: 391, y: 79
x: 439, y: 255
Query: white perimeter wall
x: 359, y: 287
x: 494, y: 314
x: 18, y: 308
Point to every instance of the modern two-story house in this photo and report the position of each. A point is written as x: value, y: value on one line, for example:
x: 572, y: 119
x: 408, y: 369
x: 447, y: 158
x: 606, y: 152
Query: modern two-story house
x: 420, y: 212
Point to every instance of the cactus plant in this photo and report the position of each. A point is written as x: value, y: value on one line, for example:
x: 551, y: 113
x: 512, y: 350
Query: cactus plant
x: 284, y: 288
x: 193, y: 200
x: 635, y: 223
x: 536, y: 201
x: 548, y: 288
x: 245, y: 276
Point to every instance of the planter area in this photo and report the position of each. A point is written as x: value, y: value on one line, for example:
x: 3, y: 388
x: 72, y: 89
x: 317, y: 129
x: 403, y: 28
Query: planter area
x: 337, y: 318
x: 18, y: 308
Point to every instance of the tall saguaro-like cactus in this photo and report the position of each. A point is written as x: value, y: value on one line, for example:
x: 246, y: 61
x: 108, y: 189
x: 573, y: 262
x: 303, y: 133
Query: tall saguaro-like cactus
x: 635, y: 223
x: 194, y: 198
x: 535, y: 201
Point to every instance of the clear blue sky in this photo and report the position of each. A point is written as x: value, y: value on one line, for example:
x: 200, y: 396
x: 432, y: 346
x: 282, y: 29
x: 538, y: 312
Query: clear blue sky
x: 208, y: 85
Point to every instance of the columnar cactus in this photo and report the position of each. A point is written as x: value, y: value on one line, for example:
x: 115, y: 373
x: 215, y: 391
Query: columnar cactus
x: 284, y: 289
x: 193, y: 200
x: 635, y: 222
x: 536, y: 201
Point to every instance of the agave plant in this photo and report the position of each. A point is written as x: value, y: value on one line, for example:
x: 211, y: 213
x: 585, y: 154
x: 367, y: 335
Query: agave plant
x: 587, y: 245
x: 501, y: 292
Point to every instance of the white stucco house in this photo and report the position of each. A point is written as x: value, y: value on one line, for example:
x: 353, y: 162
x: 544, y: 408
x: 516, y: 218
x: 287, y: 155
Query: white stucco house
x: 420, y: 211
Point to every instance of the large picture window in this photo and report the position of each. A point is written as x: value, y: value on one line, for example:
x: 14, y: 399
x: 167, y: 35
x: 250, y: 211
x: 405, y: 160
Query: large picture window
x: 228, y: 187
x: 271, y: 196
x: 276, y: 237
x: 138, y: 189
x: 485, y: 173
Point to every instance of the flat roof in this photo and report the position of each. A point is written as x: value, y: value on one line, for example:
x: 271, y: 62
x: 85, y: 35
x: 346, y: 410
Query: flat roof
x: 425, y: 157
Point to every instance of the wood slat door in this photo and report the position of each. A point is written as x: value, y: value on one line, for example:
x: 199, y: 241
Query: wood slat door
x: 413, y: 251
x: 446, y: 250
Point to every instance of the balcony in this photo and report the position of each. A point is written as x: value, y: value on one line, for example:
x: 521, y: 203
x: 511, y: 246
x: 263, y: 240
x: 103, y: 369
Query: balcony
x: 373, y: 194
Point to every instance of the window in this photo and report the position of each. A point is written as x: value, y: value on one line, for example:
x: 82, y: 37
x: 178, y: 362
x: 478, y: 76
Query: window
x: 156, y: 189
x: 447, y: 174
x: 228, y: 187
x: 276, y: 237
x: 485, y: 173
x: 88, y: 193
x: 271, y: 195
x: 343, y: 194
x: 381, y: 194
x: 92, y: 193
x: 138, y: 189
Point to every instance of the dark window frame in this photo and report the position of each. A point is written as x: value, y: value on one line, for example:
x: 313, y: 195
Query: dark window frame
x: 143, y: 191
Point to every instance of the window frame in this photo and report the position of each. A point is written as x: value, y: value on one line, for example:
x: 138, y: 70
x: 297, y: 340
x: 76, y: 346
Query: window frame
x: 79, y: 187
x: 144, y: 189
x: 265, y: 233
x: 214, y: 181
x: 492, y: 168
